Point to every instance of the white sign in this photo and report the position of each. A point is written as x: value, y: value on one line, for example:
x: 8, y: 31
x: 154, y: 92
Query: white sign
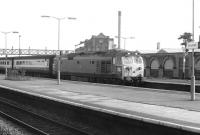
x: 192, y: 45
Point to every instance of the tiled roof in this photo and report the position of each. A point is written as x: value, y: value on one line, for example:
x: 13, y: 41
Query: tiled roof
x: 170, y: 50
x: 147, y: 51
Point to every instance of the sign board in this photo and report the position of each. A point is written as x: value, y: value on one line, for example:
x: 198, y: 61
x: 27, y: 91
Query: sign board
x: 192, y: 45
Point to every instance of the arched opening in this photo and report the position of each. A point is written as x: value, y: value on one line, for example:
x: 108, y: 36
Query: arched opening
x: 154, y: 68
x: 145, y: 67
x: 197, y: 69
x: 168, y: 68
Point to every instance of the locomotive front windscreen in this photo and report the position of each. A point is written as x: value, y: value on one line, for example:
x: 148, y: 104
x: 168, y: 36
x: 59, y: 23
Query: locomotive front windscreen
x: 131, y: 60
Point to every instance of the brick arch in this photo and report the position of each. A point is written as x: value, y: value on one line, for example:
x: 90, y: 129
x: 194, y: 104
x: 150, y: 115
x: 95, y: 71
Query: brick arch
x: 168, y: 65
x: 153, y: 59
x: 197, y: 63
x: 166, y: 58
x: 197, y: 67
x: 155, y: 64
x: 146, y: 61
x: 154, y: 69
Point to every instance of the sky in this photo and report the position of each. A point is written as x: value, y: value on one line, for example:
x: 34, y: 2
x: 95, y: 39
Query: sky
x: 149, y: 21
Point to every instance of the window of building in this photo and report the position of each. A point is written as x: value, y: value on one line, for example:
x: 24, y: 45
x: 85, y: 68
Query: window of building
x: 91, y: 62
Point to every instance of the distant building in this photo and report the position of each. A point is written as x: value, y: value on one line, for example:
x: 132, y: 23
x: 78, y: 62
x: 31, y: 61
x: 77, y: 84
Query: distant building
x: 97, y: 43
x: 168, y: 63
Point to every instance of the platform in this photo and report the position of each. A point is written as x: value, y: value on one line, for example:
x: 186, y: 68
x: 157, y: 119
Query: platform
x: 169, y: 108
x: 173, y: 81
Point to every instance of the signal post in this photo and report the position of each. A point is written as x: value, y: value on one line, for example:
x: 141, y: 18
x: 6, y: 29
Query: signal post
x: 191, y: 46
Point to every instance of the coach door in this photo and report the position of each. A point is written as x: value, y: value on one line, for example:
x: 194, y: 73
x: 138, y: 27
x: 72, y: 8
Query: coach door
x: 106, y: 66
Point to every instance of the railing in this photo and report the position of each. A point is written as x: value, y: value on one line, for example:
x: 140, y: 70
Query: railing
x: 33, y: 52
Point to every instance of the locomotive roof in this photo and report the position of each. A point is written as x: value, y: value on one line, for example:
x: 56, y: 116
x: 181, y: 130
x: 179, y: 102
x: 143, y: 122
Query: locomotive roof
x: 109, y: 53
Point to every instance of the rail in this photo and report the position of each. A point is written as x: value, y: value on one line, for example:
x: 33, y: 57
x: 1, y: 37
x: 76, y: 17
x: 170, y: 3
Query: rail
x: 35, y: 123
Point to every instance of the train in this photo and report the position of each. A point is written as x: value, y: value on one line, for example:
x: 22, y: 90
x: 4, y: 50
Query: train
x: 114, y: 66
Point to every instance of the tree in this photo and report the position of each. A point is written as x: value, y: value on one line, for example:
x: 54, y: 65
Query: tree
x: 187, y: 37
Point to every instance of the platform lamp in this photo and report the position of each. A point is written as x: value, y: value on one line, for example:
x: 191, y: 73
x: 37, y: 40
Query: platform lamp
x: 192, y: 87
x: 58, y: 19
x: 19, y: 45
x: 6, y: 33
x: 125, y: 38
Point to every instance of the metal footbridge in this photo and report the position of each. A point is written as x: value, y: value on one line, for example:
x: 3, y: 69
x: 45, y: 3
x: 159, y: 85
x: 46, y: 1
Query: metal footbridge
x: 33, y: 52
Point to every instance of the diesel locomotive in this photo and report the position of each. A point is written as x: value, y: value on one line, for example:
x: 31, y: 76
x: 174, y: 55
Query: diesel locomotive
x: 114, y: 66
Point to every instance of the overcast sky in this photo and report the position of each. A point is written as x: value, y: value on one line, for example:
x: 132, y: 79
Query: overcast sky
x: 149, y: 21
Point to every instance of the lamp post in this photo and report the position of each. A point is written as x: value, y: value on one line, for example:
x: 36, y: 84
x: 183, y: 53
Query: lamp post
x: 125, y: 38
x: 184, y: 60
x: 192, y: 88
x: 58, y: 19
x: 19, y: 45
x: 5, y: 34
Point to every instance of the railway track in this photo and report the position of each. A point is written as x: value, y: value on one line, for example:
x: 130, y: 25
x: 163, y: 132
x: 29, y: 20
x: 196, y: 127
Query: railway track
x: 35, y: 123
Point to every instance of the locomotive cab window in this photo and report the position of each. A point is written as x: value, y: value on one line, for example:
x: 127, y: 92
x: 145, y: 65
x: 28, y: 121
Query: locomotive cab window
x: 91, y: 62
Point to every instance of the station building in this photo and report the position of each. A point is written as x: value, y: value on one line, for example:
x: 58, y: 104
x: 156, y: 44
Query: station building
x: 170, y: 63
x: 97, y: 43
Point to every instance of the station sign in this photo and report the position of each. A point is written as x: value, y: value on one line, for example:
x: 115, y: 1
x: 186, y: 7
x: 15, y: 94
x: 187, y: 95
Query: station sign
x: 192, y: 45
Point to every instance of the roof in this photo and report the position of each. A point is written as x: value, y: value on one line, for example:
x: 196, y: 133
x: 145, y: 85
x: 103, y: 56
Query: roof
x: 163, y: 50
x: 170, y: 50
x: 146, y: 51
x: 111, y: 53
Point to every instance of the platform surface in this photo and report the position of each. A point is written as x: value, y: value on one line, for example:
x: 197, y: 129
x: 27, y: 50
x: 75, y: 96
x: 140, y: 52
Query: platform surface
x: 173, y: 81
x: 170, y: 108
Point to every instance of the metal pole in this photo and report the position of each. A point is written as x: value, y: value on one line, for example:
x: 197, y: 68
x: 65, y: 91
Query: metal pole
x: 119, y: 28
x: 183, y: 65
x: 192, y: 88
x: 19, y: 45
x: 59, y: 55
x: 59, y: 51
x: 124, y: 43
x: 6, y: 55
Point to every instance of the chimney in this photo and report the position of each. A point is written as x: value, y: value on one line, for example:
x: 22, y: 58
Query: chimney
x: 158, y: 45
